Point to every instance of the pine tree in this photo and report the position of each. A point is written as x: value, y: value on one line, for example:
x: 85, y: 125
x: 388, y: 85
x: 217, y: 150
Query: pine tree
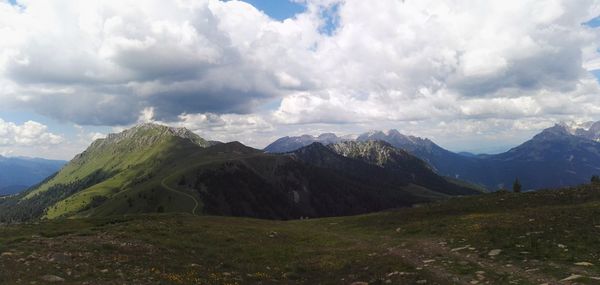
x: 595, y: 179
x: 517, y: 186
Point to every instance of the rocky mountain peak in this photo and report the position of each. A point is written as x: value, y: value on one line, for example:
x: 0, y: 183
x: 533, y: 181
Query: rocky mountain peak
x: 149, y: 133
x: 588, y: 130
x: 374, y: 151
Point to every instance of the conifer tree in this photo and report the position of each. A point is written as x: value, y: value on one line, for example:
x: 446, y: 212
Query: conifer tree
x: 517, y: 186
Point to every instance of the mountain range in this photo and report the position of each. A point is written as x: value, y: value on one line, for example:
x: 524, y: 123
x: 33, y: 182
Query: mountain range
x: 19, y: 173
x: 563, y: 155
x: 286, y: 144
x: 153, y: 168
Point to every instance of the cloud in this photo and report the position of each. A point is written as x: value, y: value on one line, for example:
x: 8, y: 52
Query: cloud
x: 29, y: 133
x: 101, y: 63
x: 229, y: 71
x: 447, y: 60
x: 251, y: 129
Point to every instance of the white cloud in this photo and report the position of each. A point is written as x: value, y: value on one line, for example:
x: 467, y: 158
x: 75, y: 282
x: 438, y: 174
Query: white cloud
x: 29, y: 133
x: 103, y: 62
x: 249, y: 129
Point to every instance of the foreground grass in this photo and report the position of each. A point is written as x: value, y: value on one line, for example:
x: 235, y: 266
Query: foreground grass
x: 529, y: 238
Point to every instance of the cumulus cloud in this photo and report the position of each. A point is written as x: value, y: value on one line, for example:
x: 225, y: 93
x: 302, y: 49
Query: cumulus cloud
x: 101, y: 63
x: 29, y: 133
x: 453, y: 60
x: 228, y: 71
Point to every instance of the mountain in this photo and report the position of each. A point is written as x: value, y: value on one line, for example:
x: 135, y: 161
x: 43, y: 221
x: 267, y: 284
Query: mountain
x: 288, y: 144
x: 154, y: 168
x: 563, y: 155
x: 553, y: 158
x: 401, y: 168
x: 19, y: 173
x: 444, y: 162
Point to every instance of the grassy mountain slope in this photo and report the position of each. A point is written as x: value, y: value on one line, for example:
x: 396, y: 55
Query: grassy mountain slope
x: 109, y: 166
x: 499, y: 238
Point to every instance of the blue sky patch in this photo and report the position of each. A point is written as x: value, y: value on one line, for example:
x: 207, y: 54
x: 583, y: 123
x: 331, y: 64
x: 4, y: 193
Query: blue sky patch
x: 278, y: 9
x: 331, y: 18
x: 594, y: 23
x: 596, y: 73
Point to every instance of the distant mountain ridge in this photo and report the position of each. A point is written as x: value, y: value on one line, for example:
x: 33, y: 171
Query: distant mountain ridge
x: 563, y: 155
x: 287, y: 144
x: 19, y: 173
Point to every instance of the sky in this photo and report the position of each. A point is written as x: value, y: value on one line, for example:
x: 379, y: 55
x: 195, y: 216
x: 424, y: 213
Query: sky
x: 472, y: 76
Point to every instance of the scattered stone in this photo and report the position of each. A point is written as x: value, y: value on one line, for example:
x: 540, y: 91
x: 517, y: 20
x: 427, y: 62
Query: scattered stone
x: 474, y: 282
x: 104, y: 271
x: 52, y: 278
x: 7, y: 254
x: 59, y: 258
x: 428, y: 261
x: 584, y: 263
x: 459, y: 248
x: 572, y: 277
x: 561, y: 245
x: 359, y: 283
x: 422, y: 281
x: 494, y: 252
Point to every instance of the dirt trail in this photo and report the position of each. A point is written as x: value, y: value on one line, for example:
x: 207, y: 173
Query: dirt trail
x: 164, y: 185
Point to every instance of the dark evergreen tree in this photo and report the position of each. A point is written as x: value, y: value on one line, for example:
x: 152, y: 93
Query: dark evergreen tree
x: 517, y: 186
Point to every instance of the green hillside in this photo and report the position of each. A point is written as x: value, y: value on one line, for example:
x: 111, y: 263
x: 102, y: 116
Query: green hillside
x: 500, y: 238
x: 109, y: 167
